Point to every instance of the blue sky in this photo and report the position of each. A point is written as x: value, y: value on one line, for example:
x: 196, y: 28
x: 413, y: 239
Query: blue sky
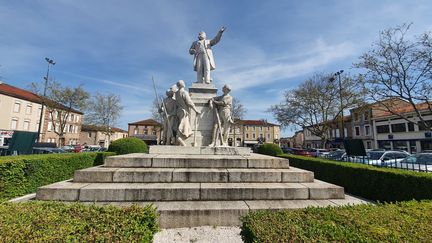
x: 116, y: 46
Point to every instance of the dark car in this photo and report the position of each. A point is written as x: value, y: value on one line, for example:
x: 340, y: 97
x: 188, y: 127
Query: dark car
x: 417, y: 162
x: 336, y: 155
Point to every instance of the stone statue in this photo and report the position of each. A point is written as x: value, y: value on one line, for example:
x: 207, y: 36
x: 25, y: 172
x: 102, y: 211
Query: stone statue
x: 203, y: 56
x: 184, y: 103
x: 169, y: 114
x: 223, y: 119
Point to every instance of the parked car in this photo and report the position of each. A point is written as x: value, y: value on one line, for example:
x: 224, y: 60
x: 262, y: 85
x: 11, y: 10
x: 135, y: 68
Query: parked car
x: 48, y: 151
x: 68, y: 148
x: 336, y: 155
x: 417, y: 162
x: 382, y: 158
x: 302, y: 152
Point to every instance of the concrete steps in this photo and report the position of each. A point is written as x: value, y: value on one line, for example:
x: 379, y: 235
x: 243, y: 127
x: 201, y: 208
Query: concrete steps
x: 214, y: 175
x: 202, y: 188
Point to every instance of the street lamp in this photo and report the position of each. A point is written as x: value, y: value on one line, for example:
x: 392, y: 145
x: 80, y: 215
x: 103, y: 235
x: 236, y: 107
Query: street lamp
x: 338, y: 74
x: 50, y: 62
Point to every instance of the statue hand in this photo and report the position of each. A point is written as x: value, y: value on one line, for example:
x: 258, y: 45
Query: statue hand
x: 222, y: 29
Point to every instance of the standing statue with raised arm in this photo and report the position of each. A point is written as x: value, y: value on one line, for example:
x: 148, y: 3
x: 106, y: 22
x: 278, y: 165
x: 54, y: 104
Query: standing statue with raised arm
x: 169, y: 113
x: 184, y: 104
x: 203, y: 56
x: 223, y: 119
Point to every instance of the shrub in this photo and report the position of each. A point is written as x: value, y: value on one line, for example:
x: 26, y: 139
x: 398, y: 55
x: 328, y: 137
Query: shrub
x: 383, y: 184
x: 128, y: 145
x: 20, y: 175
x: 270, y: 149
x: 400, y: 222
x: 59, y: 222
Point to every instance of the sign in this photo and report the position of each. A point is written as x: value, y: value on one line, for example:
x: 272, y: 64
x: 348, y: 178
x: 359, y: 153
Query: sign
x: 354, y: 147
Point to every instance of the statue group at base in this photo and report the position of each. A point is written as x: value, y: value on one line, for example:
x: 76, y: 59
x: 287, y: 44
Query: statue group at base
x: 215, y: 113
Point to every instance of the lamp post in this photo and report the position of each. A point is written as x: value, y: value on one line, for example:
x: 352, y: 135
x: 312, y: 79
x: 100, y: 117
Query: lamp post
x: 338, y: 75
x: 50, y: 62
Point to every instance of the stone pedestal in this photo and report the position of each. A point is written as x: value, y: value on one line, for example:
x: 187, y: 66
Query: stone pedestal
x: 200, y: 94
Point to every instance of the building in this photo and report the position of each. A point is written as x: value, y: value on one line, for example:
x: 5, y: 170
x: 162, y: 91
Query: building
x: 250, y: 132
x: 296, y: 141
x: 147, y: 130
x: 334, y: 136
x: 20, y: 111
x: 94, y: 135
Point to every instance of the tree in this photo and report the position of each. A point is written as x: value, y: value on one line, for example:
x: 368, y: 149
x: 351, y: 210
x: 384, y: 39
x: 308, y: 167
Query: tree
x: 398, y: 69
x: 238, y: 109
x: 60, y: 102
x: 104, y: 111
x: 315, y: 104
x: 155, y: 110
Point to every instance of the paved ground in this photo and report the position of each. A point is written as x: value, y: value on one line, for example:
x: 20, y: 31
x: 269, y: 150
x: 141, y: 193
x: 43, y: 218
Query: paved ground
x: 199, y: 234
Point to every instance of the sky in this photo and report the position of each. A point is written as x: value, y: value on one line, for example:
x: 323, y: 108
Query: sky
x: 268, y: 47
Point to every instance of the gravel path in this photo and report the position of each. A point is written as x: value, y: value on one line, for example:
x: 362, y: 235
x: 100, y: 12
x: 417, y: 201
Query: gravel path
x: 199, y: 234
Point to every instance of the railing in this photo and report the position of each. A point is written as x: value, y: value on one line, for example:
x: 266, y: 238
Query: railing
x: 392, y: 163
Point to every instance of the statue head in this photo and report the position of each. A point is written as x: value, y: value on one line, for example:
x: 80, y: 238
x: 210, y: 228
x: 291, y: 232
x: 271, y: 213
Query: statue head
x: 174, y: 88
x: 202, y: 35
x: 226, y: 89
x: 169, y: 93
x: 180, y: 84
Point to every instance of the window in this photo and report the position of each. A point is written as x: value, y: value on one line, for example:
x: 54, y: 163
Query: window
x: 50, y: 125
x: 400, y: 127
x: 73, y: 118
x: 247, y: 128
x: 89, y: 134
x: 253, y: 128
x: 337, y: 133
x: 368, y: 144
x: 26, y: 125
x: 260, y: 128
x: 268, y: 128
x: 247, y: 135
x: 410, y: 126
x: 135, y: 131
x: 356, y: 116
x: 383, y: 129
x: 367, y: 130
x: 77, y: 118
x: 357, y: 131
x: 14, y: 123
x: 29, y: 109
x: 366, y: 116
x: 268, y: 135
x: 17, y: 106
x: 70, y: 128
x: 253, y: 135
x: 423, y: 126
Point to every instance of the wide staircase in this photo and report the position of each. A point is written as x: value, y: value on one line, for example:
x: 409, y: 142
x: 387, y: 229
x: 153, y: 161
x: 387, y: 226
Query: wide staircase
x: 198, y: 186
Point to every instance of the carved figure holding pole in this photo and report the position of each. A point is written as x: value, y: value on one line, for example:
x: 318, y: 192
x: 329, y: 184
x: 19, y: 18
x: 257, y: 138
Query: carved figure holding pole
x: 169, y: 110
x: 222, y: 106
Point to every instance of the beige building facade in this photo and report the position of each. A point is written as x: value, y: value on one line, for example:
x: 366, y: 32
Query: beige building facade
x: 247, y: 133
x: 147, y: 130
x: 94, y: 135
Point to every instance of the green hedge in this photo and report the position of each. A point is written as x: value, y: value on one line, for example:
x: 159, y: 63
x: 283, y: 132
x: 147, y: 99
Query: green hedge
x: 20, y: 175
x: 382, y: 184
x: 270, y: 149
x: 400, y: 222
x: 128, y: 145
x: 59, y: 222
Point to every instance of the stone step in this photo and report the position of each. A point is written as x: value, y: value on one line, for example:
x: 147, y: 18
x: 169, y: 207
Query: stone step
x: 146, y: 175
x: 90, y: 192
x: 179, y: 214
x: 196, y: 161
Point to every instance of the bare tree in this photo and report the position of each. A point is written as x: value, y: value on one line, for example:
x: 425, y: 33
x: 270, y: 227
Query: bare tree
x: 104, y: 112
x: 238, y: 109
x: 399, y: 69
x: 60, y: 102
x: 155, y: 110
x: 315, y: 104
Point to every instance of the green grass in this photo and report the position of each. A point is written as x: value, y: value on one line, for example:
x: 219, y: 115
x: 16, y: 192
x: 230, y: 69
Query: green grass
x: 401, y: 222
x: 59, y: 222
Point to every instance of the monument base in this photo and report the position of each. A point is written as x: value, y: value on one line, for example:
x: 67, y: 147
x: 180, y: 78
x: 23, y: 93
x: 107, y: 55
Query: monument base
x: 165, y: 149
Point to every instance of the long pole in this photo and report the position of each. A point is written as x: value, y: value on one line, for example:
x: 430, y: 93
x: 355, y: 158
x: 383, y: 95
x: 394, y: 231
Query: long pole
x: 163, y: 105
x: 50, y: 62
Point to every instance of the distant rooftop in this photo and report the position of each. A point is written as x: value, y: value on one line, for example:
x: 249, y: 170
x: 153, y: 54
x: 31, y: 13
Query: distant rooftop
x: 147, y: 122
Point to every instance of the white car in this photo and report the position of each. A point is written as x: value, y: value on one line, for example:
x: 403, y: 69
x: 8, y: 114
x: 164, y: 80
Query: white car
x: 417, y: 162
x: 382, y: 158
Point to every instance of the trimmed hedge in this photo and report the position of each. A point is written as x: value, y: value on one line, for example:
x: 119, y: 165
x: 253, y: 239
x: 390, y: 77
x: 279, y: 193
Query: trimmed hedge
x: 270, y: 149
x: 400, y: 222
x: 381, y: 184
x: 59, y: 222
x: 128, y: 145
x: 20, y: 175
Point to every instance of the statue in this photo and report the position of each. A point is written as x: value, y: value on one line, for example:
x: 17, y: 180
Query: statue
x: 169, y: 114
x: 184, y: 103
x: 222, y: 106
x: 203, y: 56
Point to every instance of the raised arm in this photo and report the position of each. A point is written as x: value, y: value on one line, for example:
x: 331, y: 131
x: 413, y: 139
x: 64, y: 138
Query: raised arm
x: 217, y: 38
